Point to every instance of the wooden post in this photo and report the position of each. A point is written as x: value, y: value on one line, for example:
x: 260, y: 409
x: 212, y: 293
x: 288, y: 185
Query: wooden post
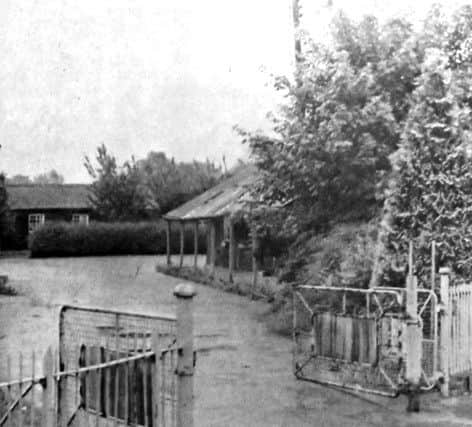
x: 181, y: 263
x: 156, y: 384
x: 433, y: 265
x: 169, y: 261
x: 413, y: 344
x: 231, y: 251
x: 254, y: 258
x: 445, y: 330
x: 195, y: 244
x: 49, y: 415
x: 185, y: 400
x: 212, y: 246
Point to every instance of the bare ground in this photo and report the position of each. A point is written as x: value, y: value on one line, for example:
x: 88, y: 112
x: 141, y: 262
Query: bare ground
x: 243, y: 378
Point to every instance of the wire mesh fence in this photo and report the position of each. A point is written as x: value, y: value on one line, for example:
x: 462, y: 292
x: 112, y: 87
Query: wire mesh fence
x: 119, y: 391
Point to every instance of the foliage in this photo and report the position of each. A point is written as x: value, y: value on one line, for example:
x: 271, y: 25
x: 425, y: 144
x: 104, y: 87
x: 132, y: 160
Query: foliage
x: 329, y: 150
x: 171, y: 184
x: 51, y: 177
x: 118, y: 193
x: 65, y: 239
x: 431, y: 190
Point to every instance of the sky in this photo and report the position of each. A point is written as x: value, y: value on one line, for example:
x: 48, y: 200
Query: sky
x: 145, y: 75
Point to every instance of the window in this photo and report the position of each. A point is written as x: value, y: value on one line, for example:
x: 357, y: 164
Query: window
x: 35, y: 221
x: 80, y: 219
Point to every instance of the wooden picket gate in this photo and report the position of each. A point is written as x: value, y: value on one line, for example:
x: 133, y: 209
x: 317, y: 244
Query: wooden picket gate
x: 456, y: 330
x: 112, y: 369
x: 378, y: 340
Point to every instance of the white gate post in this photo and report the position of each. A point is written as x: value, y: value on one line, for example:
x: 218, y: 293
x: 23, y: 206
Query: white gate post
x: 185, y: 294
x: 413, y: 343
x: 445, y: 331
x: 49, y: 407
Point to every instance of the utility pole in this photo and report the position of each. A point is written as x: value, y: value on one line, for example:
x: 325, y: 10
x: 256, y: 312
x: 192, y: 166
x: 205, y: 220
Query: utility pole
x: 296, y: 31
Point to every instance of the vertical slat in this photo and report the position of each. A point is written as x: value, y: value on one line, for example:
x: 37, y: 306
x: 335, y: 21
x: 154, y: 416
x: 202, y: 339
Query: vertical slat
x: 107, y: 379
x: 340, y: 333
x: 163, y: 389
x: 87, y: 379
x: 172, y: 413
x: 98, y: 389
x: 348, y: 340
x: 372, y: 334
x: 145, y: 381
x: 20, y: 389
x: 325, y: 334
x: 117, y: 371
x: 49, y: 418
x: 155, y: 379
x: 33, y: 375
x: 134, y: 378
x: 355, y: 340
x: 9, y: 387
x: 56, y: 386
x: 76, y: 382
x: 362, y: 341
x: 174, y: 380
x: 126, y: 416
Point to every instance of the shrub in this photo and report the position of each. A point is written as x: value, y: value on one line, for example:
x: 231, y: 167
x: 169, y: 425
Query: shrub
x: 63, y: 239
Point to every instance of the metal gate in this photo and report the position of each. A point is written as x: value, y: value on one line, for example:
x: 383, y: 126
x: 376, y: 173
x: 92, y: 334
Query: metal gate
x: 357, y: 338
x: 112, y: 368
x: 113, y: 358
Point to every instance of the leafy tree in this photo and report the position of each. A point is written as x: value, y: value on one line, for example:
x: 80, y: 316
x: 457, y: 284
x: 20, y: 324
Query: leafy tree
x: 51, y: 177
x: 170, y: 184
x: 430, y: 193
x: 331, y: 140
x: 118, y: 193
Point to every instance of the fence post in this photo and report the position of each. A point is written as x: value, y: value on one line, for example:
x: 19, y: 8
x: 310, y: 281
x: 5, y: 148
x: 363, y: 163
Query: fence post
x: 49, y: 415
x: 445, y: 331
x: 185, y: 294
x: 413, y: 343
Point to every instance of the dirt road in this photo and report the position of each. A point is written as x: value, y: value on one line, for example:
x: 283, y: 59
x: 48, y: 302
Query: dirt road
x: 243, y: 379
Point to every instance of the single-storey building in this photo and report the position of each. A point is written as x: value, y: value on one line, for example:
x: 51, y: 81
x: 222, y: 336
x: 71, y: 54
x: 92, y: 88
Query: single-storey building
x: 231, y: 242
x: 32, y: 205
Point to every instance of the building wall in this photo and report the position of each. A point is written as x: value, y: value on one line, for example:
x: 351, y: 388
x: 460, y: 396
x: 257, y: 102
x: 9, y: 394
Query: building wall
x: 18, y: 234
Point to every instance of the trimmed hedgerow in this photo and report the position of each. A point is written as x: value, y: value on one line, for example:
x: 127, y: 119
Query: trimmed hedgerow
x: 63, y: 239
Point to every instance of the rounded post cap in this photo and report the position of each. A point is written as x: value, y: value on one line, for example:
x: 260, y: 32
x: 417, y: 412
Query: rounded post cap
x: 444, y: 270
x: 185, y: 290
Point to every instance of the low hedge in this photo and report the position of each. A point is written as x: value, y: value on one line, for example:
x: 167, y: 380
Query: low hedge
x: 65, y: 239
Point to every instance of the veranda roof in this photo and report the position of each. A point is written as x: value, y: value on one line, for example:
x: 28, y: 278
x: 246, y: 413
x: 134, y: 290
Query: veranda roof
x: 225, y: 198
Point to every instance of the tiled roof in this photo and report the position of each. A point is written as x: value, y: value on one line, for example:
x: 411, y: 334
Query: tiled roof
x: 225, y: 198
x: 48, y: 196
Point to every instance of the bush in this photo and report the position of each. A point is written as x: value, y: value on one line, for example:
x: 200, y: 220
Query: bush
x: 63, y: 239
